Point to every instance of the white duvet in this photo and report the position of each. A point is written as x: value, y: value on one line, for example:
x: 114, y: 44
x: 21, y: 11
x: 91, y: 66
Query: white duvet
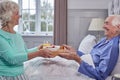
x: 53, y: 69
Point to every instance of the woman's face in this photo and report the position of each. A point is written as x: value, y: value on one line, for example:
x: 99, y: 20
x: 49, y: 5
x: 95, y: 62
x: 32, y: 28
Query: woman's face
x: 15, y: 18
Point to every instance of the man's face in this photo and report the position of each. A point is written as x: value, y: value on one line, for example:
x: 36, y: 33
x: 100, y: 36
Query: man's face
x: 110, y: 30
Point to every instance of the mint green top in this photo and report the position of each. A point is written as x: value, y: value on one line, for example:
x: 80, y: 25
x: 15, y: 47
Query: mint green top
x: 13, y: 53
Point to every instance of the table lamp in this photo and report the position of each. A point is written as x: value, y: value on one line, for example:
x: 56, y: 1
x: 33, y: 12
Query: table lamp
x: 96, y: 25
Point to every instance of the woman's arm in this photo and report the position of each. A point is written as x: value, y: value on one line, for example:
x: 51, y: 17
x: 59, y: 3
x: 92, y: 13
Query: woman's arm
x: 40, y: 53
x: 13, y: 55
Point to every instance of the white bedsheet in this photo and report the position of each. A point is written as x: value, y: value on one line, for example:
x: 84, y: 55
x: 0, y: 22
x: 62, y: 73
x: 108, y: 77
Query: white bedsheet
x: 53, y: 69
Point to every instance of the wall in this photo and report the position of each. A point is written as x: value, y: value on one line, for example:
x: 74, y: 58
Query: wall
x: 80, y: 13
x: 88, y: 4
x: 33, y: 41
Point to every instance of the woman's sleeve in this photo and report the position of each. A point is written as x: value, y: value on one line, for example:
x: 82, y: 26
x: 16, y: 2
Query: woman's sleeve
x: 31, y: 49
x: 7, y: 52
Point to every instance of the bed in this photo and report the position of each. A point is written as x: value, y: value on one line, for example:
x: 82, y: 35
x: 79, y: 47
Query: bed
x: 62, y: 69
x: 53, y: 69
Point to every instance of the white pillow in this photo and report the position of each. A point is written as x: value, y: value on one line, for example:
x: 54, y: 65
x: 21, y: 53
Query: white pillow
x: 87, y: 44
x: 88, y: 59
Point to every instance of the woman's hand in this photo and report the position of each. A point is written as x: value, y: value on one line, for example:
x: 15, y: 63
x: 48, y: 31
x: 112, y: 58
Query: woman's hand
x: 40, y: 47
x: 41, y: 53
x: 46, y: 53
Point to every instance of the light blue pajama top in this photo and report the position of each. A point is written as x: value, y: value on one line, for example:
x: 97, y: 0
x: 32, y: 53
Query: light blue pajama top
x: 13, y: 53
x: 104, y: 55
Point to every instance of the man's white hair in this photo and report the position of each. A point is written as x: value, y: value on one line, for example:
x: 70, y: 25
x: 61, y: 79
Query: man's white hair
x: 116, y: 20
x: 7, y: 8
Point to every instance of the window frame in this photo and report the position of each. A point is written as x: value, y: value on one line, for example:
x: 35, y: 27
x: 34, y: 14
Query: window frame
x: 38, y: 31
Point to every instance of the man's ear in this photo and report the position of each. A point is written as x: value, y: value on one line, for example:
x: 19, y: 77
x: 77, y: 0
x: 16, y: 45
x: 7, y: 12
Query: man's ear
x: 118, y: 26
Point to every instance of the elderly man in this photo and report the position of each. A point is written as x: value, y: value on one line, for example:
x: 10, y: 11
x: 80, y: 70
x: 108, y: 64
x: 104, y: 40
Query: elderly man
x: 104, y: 54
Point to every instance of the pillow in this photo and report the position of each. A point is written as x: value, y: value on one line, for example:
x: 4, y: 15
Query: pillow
x: 88, y: 59
x: 87, y: 44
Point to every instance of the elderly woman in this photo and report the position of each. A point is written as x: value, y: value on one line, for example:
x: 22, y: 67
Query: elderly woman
x: 104, y: 54
x: 13, y: 51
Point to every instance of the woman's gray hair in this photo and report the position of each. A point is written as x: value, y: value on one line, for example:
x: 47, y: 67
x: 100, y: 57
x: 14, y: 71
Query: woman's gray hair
x: 7, y: 8
x: 116, y: 20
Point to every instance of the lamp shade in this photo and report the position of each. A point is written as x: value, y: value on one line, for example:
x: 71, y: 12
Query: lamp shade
x: 96, y: 24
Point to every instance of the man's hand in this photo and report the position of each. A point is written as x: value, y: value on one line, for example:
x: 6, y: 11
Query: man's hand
x: 69, y: 48
x: 71, y: 56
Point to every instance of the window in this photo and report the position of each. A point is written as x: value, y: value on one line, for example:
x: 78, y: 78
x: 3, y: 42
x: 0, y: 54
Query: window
x: 37, y: 17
